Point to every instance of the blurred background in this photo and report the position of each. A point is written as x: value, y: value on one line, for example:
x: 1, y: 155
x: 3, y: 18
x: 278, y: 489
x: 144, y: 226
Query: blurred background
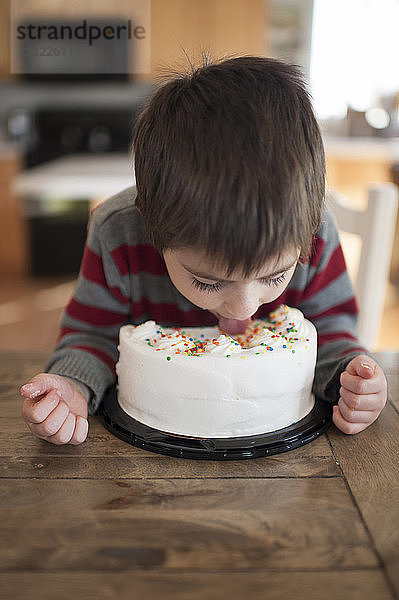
x: 68, y: 108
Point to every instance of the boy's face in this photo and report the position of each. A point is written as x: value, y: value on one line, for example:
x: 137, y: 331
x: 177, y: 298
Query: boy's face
x: 234, y: 299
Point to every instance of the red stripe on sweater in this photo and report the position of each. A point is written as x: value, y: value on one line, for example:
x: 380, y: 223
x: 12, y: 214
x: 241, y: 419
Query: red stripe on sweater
x: 121, y: 259
x: 164, y: 312
x: 66, y: 331
x: 93, y: 270
x: 324, y: 338
x: 140, y: 258
x: 350, y: 306
x: 92, y: 267
x: 99, y: 354
x: 93, y: 315
x: 353, y: 349
x: 333, y: 269
x: 317, y: 250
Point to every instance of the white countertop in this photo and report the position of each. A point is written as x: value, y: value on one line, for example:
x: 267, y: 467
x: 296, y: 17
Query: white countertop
x: 362, y: 148
x: 77, y: 175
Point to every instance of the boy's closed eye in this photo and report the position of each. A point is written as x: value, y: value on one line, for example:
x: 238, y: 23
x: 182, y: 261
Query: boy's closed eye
x: 218, y: 285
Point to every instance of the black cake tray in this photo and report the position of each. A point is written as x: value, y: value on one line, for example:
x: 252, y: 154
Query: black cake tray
x: 133, y: 432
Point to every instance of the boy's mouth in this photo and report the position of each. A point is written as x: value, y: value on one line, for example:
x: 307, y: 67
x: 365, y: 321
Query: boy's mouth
x: 232, y: 326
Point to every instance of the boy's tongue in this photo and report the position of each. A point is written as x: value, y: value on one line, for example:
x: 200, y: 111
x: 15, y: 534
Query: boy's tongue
x: 233, y: 326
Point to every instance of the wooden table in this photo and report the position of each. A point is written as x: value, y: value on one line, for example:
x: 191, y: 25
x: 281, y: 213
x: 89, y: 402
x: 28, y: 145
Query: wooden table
x: 107, y: 520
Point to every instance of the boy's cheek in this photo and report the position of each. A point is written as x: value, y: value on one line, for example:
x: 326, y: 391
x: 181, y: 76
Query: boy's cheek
x: 198, y: 298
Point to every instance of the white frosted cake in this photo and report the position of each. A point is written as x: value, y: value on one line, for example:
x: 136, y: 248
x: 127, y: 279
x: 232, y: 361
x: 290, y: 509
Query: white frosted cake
x: 201, y: 382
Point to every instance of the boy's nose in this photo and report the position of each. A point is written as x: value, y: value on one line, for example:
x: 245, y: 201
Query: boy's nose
x: 240, y: 306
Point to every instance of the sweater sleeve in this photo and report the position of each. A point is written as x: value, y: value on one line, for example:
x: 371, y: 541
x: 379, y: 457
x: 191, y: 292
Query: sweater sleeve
x: 329, y: 302
x: 86, y: 348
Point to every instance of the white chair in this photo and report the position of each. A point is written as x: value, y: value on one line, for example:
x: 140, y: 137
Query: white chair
x: 376, y: 227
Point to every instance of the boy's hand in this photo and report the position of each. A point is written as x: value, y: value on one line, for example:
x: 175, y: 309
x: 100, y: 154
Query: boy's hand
x: 362, y: 396
x: 54, y: 409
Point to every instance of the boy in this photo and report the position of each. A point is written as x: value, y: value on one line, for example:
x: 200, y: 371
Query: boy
x: 228, y: 222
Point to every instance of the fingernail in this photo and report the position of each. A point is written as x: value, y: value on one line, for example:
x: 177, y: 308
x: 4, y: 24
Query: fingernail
x: 370, y: 368
x: 31, y: 390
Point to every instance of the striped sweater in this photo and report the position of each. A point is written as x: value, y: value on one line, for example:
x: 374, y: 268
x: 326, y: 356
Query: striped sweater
x: 123, y: 279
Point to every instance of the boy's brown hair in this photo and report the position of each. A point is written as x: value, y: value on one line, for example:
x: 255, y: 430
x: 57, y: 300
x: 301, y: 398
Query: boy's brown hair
x: 229, y: 160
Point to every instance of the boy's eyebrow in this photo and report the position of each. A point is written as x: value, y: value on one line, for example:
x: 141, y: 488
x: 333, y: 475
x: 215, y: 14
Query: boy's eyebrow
x: 269, y: 276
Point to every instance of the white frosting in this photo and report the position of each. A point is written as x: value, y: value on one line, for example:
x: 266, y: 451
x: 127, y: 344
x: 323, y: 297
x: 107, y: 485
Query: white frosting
x: 201, y: 382
x: 224, y: 344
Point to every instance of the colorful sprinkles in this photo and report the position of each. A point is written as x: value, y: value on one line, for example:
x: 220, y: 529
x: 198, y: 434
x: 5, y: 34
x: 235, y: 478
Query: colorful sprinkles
x: 276, y: 325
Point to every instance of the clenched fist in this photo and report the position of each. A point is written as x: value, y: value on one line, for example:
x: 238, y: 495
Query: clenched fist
x: 55, y: 409
x: 363, y: 395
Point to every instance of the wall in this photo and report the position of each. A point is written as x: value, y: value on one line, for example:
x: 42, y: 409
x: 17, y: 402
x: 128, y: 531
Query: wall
x: 177, y: 26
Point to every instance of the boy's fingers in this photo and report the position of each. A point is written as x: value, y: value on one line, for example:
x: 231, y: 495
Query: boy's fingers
x: 43, y: 383
x: 344, y: 425
x: 364, y: 402
x: 360, y: 385
x: 37, y: 386
x: 53, y: 423
x: 65, y: 433
x: 36, y: 411
x: 81, y: 431
x: 356, y: 416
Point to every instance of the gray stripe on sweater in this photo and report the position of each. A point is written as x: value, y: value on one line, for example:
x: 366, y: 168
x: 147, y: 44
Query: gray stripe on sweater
x: 336, y: 292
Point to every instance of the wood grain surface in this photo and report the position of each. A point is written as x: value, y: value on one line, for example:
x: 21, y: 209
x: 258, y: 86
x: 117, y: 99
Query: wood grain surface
x: 108, y: 520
